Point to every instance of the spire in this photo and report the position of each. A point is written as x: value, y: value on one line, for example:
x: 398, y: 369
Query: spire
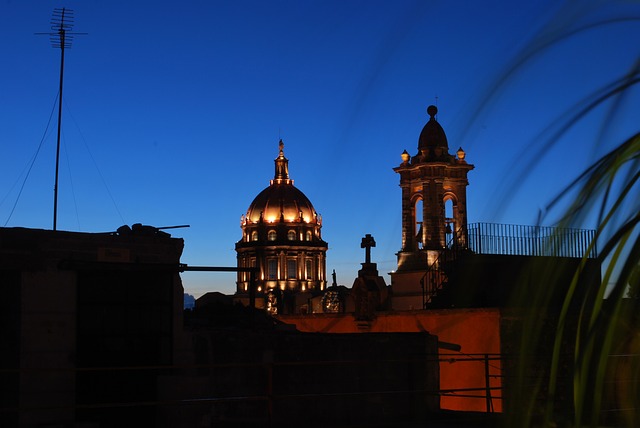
x: 282, y: 166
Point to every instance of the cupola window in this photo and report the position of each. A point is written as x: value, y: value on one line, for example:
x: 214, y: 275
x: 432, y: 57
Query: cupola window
x: 271, y: 235
x: 291, y: 235
x: 308, y: 236
x: 272, y: 269
x: 292, y: 268
x: 309, y: 268
x: 254, y: 235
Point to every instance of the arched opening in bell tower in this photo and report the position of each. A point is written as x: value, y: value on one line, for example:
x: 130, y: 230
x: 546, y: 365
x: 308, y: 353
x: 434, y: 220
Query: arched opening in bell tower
x: 451, y: 225
x: 418, y: 221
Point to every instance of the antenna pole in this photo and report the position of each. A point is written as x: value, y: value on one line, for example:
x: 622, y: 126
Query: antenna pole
x: 60, y: 37
x: 61, y: 33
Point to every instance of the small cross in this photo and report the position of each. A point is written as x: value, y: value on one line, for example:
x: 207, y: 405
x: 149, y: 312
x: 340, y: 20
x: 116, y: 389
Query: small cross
x: 367, y: 243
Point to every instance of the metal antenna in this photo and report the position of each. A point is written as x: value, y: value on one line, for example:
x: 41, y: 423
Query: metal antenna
x: 60, y: 37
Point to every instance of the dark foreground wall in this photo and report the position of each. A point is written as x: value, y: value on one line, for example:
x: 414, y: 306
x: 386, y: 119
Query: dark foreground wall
x: 292, y: 379
x: 78, y: 310
x: 499, y: 281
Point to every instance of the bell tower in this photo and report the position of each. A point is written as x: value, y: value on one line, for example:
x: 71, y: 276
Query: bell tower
x: 434, y: 210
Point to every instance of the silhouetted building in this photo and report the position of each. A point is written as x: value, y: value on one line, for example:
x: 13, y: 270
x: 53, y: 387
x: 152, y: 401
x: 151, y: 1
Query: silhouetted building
x: 92, y: 335
x: 281, y: 237
x: 258, y: 374
x: 78, y: 311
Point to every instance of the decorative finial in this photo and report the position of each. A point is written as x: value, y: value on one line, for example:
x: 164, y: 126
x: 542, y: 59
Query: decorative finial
x: 405, y: 156
x: 461, y: 154
x: 432, y: 111
x: 281, y: 146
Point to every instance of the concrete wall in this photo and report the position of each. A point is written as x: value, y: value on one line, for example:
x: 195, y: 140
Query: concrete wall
x: 47, y: 346
x: 477, y: 331
x: 292, y: 379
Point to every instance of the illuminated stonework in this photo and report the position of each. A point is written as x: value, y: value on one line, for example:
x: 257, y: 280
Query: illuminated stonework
x: 434, y: 213
x: 434, y: 192
x: 281, y: 236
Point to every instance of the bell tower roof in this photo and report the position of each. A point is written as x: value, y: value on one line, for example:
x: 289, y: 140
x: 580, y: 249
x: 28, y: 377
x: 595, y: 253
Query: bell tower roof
x: 432, y: 134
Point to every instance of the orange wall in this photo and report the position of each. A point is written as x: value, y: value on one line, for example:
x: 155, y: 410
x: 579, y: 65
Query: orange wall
x: 477, y: 331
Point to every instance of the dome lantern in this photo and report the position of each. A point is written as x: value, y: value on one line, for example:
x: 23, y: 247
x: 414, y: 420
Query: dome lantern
x: 282, y: 166
x: 281, y: 201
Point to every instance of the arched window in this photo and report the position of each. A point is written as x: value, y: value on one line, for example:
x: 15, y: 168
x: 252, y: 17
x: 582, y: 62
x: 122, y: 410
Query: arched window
x: 418, y: 223
x: 254, y: 235
x: 449, y: 210
x: 271, y: 236
x: 291, y: 235
x: 451, y: 225
x: 308, y: 236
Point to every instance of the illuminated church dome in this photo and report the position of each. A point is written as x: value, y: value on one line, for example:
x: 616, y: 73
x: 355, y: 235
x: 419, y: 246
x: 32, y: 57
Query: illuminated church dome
x: 281, y: 200
x: 281, y: 237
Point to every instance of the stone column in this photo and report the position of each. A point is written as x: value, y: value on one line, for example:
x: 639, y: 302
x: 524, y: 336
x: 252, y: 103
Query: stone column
x: 408, y: 238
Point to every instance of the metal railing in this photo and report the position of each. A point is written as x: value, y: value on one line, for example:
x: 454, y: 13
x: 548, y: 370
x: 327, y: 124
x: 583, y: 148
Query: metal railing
x: 519, y: 240
x: 507, y: 239
x: 434, y: 278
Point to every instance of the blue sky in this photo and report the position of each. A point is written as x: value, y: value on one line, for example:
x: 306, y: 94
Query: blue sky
x: 173, y: 112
